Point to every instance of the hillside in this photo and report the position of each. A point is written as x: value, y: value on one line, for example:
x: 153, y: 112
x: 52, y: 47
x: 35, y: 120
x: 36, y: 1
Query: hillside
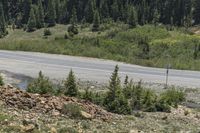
x: 17, y: 116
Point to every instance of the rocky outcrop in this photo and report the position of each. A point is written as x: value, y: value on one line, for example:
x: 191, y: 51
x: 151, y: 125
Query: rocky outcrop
x: 20, y: 99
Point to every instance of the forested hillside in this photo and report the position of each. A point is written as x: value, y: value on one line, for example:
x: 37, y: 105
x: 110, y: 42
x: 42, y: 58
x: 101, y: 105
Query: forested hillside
x: 33, y: 14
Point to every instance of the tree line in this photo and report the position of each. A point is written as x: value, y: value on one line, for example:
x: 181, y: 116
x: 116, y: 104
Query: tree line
x: 36, y: 13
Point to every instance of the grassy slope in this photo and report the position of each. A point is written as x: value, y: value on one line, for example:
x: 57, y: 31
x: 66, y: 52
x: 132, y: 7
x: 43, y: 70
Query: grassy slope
x: 115, y: 42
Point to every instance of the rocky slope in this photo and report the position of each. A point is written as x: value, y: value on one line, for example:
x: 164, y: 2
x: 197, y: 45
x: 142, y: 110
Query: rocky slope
x: 24, y: 112
x: 48, y: 104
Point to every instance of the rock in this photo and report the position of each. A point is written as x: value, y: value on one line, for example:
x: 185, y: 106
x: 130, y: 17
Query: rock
x: 55, y: 113
x: 53, y: 130
x: 28, y: 128
x: 86, y: 115
x: 27, y: 95
x: 134, y: 131
x: 165, y: 118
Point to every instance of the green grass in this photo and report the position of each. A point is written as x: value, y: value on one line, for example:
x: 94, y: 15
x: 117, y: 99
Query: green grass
x: 116, y: 42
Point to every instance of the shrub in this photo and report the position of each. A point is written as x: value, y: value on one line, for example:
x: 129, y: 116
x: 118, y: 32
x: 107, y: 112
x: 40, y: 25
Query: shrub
x: 73, y: 29
x: 72, y: 110
x: 1, y: 80
x: 47, y: 32
x: 148, y: 101
x: 41, y: 85
x: 85, y: 125
x: 88, y: 95
x: 162, y: 106
x: 172, y: 97
x: 66, y: 36
x: 136, y: 97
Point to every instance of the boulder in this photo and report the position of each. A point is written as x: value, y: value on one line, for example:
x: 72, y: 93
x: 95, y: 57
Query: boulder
x: 86, y: 115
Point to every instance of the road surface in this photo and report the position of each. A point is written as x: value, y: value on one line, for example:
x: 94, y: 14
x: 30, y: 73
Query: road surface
x: 58, y: 66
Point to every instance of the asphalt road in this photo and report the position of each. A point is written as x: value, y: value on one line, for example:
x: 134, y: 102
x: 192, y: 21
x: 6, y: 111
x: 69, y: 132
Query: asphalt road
x: 58, y: 66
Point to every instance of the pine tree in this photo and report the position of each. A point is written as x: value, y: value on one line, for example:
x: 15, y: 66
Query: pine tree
x: 70, y: 85
x: 26, y: 10
x: 1, y: 80
x: 104, y: 10
x: 115, y: 10
x: 57, y: 9
x: 132, y: 20
x: 41, y: 85
x: 126, y: 80
x: 40, y: 15
x: 156, y: 17
x: 31, y: 26
x: 73, y: 21
x: 115, y: 100
x: 90, y: 11
x: 197, y: 11
x: 96, y: 23
x: 2, y: 22
x: 51, y: 14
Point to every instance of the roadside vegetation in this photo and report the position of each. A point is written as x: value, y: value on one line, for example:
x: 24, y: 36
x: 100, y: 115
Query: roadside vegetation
x: 120, y: 99
x: 145, y: 45
x: 1, y: 80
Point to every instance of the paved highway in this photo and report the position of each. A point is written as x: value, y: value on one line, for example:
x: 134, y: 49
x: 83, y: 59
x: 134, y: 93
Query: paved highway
x: 58, y: 66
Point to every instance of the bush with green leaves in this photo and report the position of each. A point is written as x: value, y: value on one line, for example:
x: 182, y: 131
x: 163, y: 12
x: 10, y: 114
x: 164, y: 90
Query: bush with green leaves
x: 73, y: 30
x: 147, y: 100
x: 73, y: 110
x: 88, y: 95
x: 1, y: 81
x: 136, y: 96
x: 41, y: 85
x: 70, y: 87
x: 47, y: 32
x: 172, y: 97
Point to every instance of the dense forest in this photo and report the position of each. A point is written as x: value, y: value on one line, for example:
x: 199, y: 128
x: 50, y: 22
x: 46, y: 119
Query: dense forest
x: 35, y: 14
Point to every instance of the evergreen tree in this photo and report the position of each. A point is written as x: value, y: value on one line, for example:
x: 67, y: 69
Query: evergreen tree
x: 1, y: 80
x: 41, y: 85
x: 26, y: 10
x: 156, y: 17
x: 90, y: 11
x: 126, y: 80
x: 31, y: 26
x: 115, y: 100
x: 18, y: 21
x: 70, y: 85
x: 197, y: 11
x: 132, y: 20
x: 57, y: 9
x: 51, y: 13
x: 104, y: 10
x: 96, y: 23
x: 40, y: 15
x: 115, y: 10
x: 73, y: 21
x: 2, y: 22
